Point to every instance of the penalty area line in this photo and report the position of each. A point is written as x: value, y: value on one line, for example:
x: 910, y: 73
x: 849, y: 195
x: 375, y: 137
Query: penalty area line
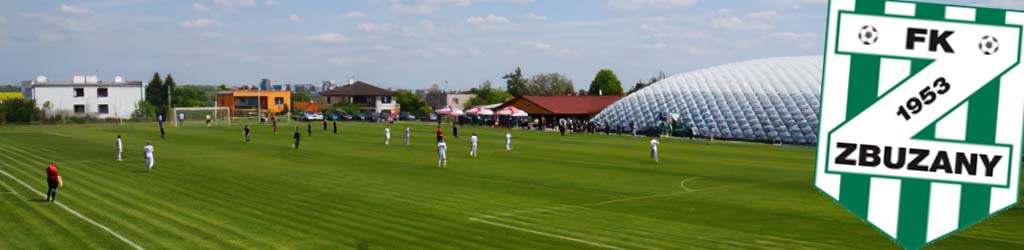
x: 76, y: 213
x: 544, y: 234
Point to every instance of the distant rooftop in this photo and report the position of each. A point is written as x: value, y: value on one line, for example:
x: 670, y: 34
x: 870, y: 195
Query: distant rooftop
x: 79, y: 80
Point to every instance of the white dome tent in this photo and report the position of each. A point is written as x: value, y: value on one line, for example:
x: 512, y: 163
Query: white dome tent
x: 767, y: 100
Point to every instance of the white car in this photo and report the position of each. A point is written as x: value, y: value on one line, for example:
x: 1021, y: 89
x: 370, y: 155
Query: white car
x: 310, y: 116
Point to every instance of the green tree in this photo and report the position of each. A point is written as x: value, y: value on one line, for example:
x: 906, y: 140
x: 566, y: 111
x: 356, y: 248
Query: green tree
x: 516, y: 83
x: 605, y: 83
x: 190, y: 96
x: 19, y: 111
x: 169, y: 87
x: 412, y: 103
x: 155, y: 94
x: 549, y: 84
x: 223, y: 87
x: 301, y: 97
x: 144, y: 111
x: 486, y: 94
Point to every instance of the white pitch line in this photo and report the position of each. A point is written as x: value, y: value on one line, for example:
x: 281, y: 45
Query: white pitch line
x: 544, y: 234
x: 76, y: 213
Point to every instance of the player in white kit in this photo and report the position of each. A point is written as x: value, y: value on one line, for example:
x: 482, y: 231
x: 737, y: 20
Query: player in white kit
x: 472, y: 145
x: 654, y: 149
x: 120, y: 147
x: 149, y: 155
x: 442, y: 157
x: 407, y: 131
x: 387, y: 135
x: 508, y: 140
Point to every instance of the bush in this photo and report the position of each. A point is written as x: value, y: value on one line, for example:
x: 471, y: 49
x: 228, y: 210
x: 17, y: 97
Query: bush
x: 20, y: 111
x: 144, y: 111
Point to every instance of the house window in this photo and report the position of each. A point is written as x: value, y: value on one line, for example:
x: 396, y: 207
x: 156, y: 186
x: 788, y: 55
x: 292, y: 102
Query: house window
x: 278, y: 100
x: 80, y: 109
x: 455, y: 101
x: 385, y: 99
x: 101, y: 92
x: 79, y: 92
x: 104, y: 109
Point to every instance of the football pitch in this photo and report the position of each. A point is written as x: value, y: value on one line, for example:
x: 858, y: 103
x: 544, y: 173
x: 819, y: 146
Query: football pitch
x: 210, y: 190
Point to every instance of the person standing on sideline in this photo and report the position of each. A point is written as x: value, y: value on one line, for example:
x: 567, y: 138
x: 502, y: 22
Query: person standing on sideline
x: 654, y: 149
x: 247, y: 133
x: 442, y: 157
x: 53, y: 181
x: 120, y: 147
x: 455, y: 130
x: 297, y: 135
x: 407, y: 135
x: 309, y: 129
x: 325, y: 125
x: 508, y: 140
x: 273, y: 122
x: 335, y: 124
x: 440, y: 134
x: 160, y: 121
x: 148, y: 149
x: 472, y: 145
x: 387, y: 135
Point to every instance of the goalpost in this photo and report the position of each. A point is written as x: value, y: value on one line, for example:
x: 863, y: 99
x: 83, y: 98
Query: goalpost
x: 201, y: 114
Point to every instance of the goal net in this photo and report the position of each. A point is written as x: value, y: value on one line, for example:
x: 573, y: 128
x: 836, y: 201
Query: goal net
x: 200, y: 115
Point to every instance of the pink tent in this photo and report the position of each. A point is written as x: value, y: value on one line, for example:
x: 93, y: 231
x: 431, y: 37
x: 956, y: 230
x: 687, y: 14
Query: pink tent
x: 507, y: 111
x: 474, y: 111
x: 443, y: 111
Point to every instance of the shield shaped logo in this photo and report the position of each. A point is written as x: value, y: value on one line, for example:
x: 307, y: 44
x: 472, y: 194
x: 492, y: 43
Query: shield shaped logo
x: 921, y: 116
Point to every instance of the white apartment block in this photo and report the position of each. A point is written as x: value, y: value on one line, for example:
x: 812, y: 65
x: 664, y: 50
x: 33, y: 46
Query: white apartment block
x: 86, y: 96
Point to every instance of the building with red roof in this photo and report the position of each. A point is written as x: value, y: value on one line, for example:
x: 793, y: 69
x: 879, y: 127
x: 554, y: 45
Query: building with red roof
x: 580, y: 107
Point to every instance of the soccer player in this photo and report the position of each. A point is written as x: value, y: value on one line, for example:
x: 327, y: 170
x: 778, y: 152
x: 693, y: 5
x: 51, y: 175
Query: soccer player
x: 335, y: 124
x: 160, y: 121
x: 472, y: 145
x: 148, y: 149
x: 654, y: 149
x: 246, y: 133
x: 455, y: 131
x: 325, y: 125
x: 273, y: 121
x: 442, y: 158
x: 297, y: 135
x: 508, y: 140
x: 387, y: 135
x: 53, y: 181
x: 407, y: 131
x: 440, y: 134
x: 309, y: 129
x: 120, y: 147
x: 208, y: 121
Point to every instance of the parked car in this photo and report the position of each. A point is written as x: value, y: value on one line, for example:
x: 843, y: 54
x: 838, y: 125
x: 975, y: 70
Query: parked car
x: 310, y: 116
x: 433, y: 117
x: 406, y: 116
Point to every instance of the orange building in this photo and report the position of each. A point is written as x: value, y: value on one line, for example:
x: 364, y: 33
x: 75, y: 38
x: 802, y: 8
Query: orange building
x: 245, y: 101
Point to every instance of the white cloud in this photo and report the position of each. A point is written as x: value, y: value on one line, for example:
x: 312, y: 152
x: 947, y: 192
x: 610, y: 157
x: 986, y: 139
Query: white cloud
x: 794, y: 36
x: 538, y: 45
x: 354, y: 14
x: 737, y: 23
x: 74, y: 10
x: 535, y: 17
x: 1007, y: 4
x: 199, y: 7
x: 210, y: 34
x: 763, y: 14
x: 349, y: 60
x: 489, y: 21
x: 329, y: 38
x: 425, y: 6
x: 269, y: 3
x: 199, y: 23
x: 294, y: 18
x: 380, y: 48
x: 638, y: 4
x: 234, y: 3
x: 376, y: 27
x: 655, y: 46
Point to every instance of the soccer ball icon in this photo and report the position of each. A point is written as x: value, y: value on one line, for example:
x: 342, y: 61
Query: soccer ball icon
x: 868, y: 35
x: 989, y: 45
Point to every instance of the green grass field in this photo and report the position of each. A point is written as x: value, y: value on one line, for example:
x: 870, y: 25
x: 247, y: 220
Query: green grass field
x: 210, y: 190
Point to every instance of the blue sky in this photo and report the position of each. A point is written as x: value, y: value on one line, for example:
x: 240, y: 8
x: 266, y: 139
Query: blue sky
x: 400, y: 43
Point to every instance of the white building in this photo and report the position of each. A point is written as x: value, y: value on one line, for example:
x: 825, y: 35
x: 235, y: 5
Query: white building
x: 85, y: 95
